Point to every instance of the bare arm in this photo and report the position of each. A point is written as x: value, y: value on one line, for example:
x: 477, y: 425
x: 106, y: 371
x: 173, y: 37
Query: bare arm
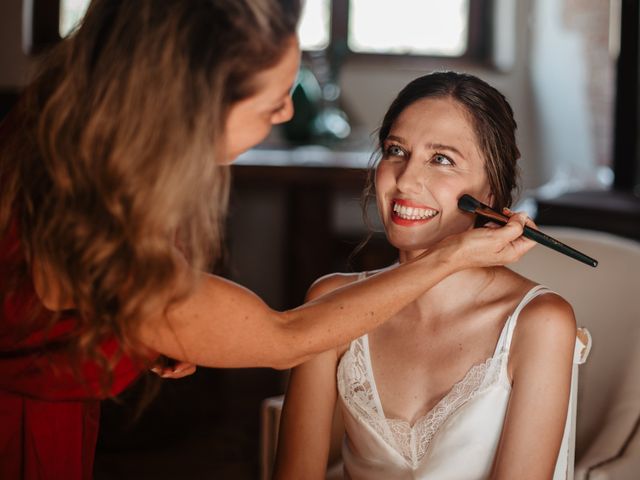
x: 224, y: 325
x: 305, y: 425
x: 542, y: 358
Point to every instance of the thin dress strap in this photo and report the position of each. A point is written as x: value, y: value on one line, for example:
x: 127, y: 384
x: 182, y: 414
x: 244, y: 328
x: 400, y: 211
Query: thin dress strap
x: 504, y: 343
x: 354, y: 342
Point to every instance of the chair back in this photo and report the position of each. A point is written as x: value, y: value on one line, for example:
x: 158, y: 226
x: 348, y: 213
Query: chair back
x: 606, y: 300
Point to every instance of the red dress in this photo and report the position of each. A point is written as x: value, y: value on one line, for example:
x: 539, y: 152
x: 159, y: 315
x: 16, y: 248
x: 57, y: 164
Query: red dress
x: 48, y: 416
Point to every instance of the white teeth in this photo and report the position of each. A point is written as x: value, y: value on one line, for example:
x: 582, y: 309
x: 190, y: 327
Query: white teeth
x: 413, y: 213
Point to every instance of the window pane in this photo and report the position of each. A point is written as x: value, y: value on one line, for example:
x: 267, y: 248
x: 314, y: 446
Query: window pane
x: 313, y: 29
x: 71, y: 12
x: 419, y: 27
x: 315, y: 24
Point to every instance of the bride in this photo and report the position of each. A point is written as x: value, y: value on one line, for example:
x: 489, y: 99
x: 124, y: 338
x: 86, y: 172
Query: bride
x: 470, y: 381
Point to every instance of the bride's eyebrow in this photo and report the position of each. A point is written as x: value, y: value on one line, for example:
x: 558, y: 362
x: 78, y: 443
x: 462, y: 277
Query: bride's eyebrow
x: 395, y: 138
x: 441, y: 146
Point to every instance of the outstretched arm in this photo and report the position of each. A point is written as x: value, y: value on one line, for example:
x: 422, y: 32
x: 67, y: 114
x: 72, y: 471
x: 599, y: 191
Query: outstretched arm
x: 224, y: 325
x: 541, y: 362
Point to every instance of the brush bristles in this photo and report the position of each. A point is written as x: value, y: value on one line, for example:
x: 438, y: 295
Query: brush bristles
x: 468, y: 203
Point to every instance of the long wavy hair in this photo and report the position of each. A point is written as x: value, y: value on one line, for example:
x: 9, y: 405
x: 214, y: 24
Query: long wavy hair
x: 108, y: 164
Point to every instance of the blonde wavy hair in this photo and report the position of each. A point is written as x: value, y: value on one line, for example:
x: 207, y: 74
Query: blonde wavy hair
x: 110, y: 160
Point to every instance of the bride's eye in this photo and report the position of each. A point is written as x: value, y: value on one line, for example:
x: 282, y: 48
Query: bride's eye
x: 394, y: 151
x: 441, y: 159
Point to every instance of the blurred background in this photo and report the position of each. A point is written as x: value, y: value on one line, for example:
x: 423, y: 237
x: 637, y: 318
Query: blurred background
x: 569, y: 68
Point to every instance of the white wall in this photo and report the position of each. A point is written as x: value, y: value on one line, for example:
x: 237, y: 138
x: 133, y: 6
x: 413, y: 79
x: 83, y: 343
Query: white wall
x: 572, y: 74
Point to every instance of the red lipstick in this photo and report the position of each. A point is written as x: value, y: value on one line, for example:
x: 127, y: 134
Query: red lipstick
x: 407, y: 222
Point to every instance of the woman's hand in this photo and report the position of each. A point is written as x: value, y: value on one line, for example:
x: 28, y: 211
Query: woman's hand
x: 168, y: 368
x: 489, y: 246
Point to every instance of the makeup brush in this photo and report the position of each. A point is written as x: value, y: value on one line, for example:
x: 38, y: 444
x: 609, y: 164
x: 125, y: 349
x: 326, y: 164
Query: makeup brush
x: 469, y: 204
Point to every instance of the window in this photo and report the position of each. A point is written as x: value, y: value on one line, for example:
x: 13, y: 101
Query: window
x: 428, y: 27
x: 380, y: 27
x: 315, y: 25
x: 451, y: 28
x: 71, y: 12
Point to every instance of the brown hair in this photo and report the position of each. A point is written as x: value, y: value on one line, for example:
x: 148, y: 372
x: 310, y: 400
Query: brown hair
x: 492, y: 119
x: 110, y: 162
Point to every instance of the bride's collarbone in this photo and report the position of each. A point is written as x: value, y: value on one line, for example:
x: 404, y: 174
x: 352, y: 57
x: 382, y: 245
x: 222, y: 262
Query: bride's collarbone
x: 415, y: 365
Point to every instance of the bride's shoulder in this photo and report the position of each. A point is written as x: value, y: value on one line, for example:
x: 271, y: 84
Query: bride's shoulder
x: 549, y: 311
x: 545, y: 311
x: 546, y: 327
x: 330, y: 282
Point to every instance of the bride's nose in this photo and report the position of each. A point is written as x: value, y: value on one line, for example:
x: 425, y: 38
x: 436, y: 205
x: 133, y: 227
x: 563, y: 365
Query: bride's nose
x: 412, y: 179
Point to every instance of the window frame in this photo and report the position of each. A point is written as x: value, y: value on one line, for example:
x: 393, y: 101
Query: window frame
x: 479, y: 40
x: 42, y: 25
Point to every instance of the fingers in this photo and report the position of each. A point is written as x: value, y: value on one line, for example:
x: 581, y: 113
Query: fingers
x: 520, y: 217
x: 512, y: 245
x: 520, y: 244
x: 529, y: 222
x: 178, y: 370
x: 183, y: 372
x: 491, y: 246
x: 514, y: 227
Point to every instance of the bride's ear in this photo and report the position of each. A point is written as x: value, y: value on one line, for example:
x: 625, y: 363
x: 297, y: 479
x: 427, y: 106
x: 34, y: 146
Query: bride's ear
x: 489, y: 198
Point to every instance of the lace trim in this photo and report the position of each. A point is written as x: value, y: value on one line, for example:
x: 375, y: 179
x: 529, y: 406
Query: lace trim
x: 356, y: 388
x: 412, y: 443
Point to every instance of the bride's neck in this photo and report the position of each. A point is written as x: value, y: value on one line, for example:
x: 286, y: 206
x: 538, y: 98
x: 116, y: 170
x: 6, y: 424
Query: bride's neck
x: 455, y: 292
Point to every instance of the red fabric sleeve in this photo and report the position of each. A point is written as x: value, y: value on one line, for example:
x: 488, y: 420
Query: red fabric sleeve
x: 33, y: 363
x: 50, y: 376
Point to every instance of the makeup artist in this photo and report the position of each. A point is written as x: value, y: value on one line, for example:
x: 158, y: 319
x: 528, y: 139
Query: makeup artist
x: 113, y: 194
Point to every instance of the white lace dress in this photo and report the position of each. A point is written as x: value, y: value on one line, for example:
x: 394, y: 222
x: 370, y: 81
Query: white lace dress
x: 457, y: 439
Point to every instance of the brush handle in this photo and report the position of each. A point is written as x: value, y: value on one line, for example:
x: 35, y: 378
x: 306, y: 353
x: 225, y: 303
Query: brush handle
x: 536, y: 235
x: 547, y: 241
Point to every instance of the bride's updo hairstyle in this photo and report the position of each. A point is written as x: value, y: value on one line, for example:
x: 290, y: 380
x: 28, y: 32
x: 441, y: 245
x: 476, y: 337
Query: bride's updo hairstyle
x: 491, y: 117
